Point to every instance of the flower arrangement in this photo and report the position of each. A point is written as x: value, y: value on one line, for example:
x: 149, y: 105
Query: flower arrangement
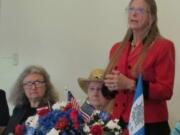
x: 63, y: 119
x: 102, y: 124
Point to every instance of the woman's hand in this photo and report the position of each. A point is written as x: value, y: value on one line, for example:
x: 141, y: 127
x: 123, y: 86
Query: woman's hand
x: 118, y: 81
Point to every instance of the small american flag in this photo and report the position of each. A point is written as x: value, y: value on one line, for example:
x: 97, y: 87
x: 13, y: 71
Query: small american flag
x: 76, y: 106
x: 73, y: 101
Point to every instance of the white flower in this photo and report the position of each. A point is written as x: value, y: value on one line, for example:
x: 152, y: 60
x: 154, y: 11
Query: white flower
x: 117, y: 133
x: 96, y: 112
x: 86, y: 128
x: 59, y: 105
x: 32, y: 121
x: 101, y: 122
x: 53, y: 131
x: 113, y: 124
x: 97, y: 123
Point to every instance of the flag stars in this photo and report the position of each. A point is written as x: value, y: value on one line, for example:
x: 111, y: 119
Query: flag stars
x: 137, y: 114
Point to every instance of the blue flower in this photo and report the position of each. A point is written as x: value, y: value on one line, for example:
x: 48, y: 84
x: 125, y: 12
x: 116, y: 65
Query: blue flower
x: 29, y: 131
x: 51, y: 122
x: 104, y: 116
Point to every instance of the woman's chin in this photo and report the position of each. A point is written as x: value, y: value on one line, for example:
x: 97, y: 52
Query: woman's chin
x: 35, y: 98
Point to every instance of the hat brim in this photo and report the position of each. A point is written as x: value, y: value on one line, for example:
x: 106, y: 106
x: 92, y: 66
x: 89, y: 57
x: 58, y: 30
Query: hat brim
x: 83, y: 83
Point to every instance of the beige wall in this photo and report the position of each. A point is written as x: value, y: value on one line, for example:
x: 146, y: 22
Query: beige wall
x: 70, y: 37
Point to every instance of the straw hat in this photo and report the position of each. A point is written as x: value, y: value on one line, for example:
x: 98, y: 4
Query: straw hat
x: 96, y: 75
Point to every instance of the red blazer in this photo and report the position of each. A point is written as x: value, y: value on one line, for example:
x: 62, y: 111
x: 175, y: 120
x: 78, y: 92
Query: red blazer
x: 158, y: 70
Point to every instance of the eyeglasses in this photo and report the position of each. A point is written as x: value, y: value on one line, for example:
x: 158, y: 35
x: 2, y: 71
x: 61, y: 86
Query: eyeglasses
x: 137, y: 10
x: 30, y: 84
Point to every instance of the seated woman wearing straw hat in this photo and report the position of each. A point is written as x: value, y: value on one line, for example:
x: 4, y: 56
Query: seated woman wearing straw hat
x: 92, y: 87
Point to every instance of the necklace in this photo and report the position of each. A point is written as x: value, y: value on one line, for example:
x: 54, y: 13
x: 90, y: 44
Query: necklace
x: 133, y: 45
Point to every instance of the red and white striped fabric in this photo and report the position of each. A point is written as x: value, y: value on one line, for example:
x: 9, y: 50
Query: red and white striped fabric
x: 76, y: 106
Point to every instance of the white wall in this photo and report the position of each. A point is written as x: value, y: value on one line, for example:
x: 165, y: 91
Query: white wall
x: 169, y: 24
x: 71, y: 37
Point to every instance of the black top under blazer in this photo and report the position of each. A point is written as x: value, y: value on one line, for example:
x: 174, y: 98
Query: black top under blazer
x: 20, y: 114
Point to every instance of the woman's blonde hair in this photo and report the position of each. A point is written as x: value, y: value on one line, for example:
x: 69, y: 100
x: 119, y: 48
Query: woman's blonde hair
x: 152, y: 34
x: 17, y: 95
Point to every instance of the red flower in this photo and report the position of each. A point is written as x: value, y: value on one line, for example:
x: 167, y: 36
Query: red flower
x: 18, y: 129
x: 74, y: 118
x: 67, y: 107
x: 96, y: 130
x: 42, y: 110
x: 62, y: 123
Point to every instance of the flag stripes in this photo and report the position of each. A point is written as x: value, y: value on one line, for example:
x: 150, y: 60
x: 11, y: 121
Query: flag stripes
x: 86, y: 117
x: 76, y: 106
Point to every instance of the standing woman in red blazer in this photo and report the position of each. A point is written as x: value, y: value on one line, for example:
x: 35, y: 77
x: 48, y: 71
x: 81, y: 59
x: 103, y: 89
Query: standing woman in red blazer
x: 142, y: 51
